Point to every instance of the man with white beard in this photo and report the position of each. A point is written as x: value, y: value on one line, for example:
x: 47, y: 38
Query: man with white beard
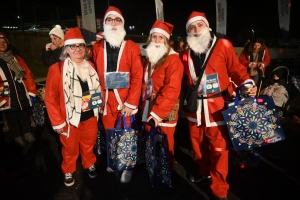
x: 208, y: 132
x: 117, y: 57
x: 163, y: 73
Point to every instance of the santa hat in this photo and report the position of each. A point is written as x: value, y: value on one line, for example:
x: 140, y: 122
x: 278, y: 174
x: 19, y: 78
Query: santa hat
x: 73, y: 36
x: 113, y: 11
x: 57, y: 31
x: 164, y: 28
x: 4, y: 37
x: 195, y: 16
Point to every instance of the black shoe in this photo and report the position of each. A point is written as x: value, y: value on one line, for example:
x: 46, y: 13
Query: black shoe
x: 197, y: 178
x: 69, y: 181
x: 92, y: 171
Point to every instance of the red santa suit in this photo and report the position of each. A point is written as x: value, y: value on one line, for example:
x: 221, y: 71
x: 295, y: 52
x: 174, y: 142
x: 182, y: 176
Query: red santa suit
x: 166, y: 83
x: 209, y: 135
x: 78, y: 136
x: 129, y: 60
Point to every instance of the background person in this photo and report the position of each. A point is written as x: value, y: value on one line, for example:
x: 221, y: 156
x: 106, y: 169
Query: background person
x: 255, y: 57
x: 208, y: 132
x: 52, y: 50
x: 68, y: 83
x: 17, y: 88
x: 163, y: 70
x: 114, y: 54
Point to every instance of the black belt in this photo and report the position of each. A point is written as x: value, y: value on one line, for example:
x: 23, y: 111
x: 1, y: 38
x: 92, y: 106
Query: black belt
x: 223, y: 93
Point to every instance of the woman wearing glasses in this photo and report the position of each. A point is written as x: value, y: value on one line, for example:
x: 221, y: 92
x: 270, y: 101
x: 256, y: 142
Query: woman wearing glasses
x: 72, y: 100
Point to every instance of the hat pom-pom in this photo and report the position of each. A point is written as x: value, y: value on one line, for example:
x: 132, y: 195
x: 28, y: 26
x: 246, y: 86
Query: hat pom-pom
x: 57, y: 26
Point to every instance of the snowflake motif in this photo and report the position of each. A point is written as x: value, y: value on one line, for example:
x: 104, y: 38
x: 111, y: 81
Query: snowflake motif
x: 252, y: 124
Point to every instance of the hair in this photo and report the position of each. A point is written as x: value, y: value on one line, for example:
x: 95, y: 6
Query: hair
x: 162, y: 59
x: 256, y: 40
x: 64, y: 54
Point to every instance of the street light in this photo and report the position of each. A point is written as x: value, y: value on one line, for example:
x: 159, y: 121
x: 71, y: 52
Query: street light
x: 252, y: 33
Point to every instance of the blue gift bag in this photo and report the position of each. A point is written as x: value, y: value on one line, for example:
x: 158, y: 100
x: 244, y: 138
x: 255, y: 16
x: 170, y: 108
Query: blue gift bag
x: 121, y: 146
x: 157, y: 158
x: 253, y: 122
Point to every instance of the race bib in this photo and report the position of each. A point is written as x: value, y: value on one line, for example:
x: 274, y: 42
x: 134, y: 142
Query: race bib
x: 115, y: 80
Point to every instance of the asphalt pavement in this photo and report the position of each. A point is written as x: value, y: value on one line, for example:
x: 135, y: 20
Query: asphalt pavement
x: 34, y: 172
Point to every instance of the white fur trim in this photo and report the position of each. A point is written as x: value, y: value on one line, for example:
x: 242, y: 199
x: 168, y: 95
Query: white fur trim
x: 129, y: 105
x: 158, y: 30
x: 59, y: 126
x: 114, y: 13
x: 250, y: 81
x: 168, y: 124
x: 155, y: 116
x: 173, y: 52
x: 74, y: 41
x: 196, y: 19
x: 31, y: 94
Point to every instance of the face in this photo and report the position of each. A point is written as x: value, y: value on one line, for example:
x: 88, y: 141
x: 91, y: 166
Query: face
x: 3, y: 45
x: 256, y: 46
x: 56, y: 40
x: 275, y: 77
x: 196, y: 27
x: 157, y: 38
x: 113, y: 20
x: 76, y: 51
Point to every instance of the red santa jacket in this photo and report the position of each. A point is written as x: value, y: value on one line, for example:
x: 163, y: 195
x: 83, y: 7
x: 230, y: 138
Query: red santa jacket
x: 225, y: 63
x: 166, y: 82
x: 28, y: 82
x: 54, y: 96
x: 130, y: 61
x: 265, y: 59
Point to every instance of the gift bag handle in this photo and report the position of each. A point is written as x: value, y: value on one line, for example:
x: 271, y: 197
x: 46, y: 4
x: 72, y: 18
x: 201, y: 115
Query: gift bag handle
x: 237, y: 92
x: 123, y: 118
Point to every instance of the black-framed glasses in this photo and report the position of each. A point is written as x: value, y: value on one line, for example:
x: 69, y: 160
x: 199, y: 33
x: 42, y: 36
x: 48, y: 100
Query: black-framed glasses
x: 74, y: 46
x: 110, y: 20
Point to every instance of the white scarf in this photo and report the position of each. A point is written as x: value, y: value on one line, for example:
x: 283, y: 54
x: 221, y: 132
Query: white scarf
x: 73, y: 90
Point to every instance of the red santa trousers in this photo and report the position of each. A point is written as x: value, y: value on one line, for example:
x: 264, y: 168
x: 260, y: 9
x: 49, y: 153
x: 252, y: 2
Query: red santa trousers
x: 211, y: 154
x: 169, y: 131
x: 81, y: 139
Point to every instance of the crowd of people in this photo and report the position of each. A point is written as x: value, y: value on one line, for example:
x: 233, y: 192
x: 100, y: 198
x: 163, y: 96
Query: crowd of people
x: 155, y: 86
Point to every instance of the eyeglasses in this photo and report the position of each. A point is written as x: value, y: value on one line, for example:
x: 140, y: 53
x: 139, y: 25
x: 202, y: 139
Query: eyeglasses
x: 110, y: 20
x: 74, y: 46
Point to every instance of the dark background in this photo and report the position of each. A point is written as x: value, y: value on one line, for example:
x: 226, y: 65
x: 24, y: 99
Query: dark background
x: 242, y: 15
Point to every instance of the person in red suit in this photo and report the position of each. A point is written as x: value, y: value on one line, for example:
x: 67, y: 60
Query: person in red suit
x: 70, y: 85
x: 114, y: 55
x: 255, y: 57
x: 208, y: 132
x: 163, y: 73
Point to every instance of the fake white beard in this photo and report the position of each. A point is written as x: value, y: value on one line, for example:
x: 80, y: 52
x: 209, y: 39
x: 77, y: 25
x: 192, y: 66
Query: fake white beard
x: 199, y: 44
x: 114, y: 37
x: 154, y: 53
x: 83, y: 70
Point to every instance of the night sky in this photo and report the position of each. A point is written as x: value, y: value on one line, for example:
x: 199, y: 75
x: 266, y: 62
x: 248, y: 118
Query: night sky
x: 242, y: 15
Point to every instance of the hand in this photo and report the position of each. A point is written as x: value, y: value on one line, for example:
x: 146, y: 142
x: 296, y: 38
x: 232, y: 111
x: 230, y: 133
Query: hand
x: 253, y: 64
x: 252, y: 92
x: 127, y: 111
x: 50, y: 46
x: 260, y: 65
x: 155, y: 120
x: 59, y: 131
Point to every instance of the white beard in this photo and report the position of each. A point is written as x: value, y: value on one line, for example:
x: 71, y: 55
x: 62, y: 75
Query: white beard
x: 155, y: 53
x: 114, y: 37
x: 199, y: 44
x: 83, y: 71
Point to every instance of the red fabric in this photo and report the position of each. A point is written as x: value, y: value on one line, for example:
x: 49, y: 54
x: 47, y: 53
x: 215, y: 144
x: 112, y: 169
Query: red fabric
x: 130, y: 62
x: 224, y: 62
x: 245, y: 59
x: 165, y: 26
x: 54, y: 95
x: 81, y: 141
x: 211, y: 155
x: 166, y: 81
x: 28, y: 82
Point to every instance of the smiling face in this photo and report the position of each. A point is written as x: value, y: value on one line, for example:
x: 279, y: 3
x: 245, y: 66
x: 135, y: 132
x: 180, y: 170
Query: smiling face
x: 3, y: 45
x: 76, y: 51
